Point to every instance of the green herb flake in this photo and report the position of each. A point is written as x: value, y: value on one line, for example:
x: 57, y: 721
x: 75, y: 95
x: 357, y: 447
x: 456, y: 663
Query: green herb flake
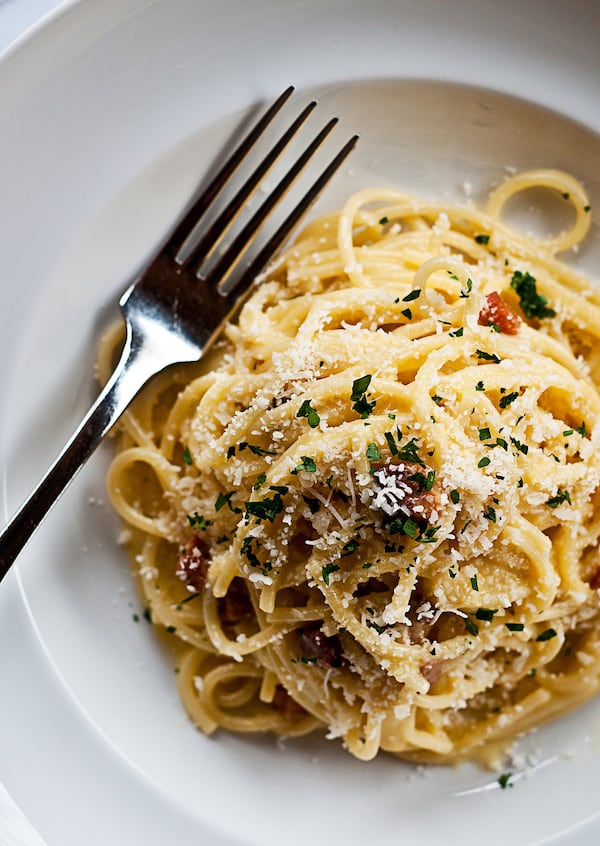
x: 482, y: 239
x: 327, y: 570
x: 372, y: 452
x: 258, y: 450
x: 505, y: 780
x: 409, y: 453
x: 385, y: 219
x: 457, y: 333
x: 484, y: 434
x: 198, y: 521
x: 582, y: 429
x: 486, y: 614
x: 223, y: 499
x: 486, y: 356
x: 358, y: 396
x: 480, y: 386
x: 260, y: 480
x: 391, y: 443
x: 483, y: 462
x: 507, y: 399
x: 406, y: 312
x: 547, y: 634
x: 474, y: 583
x: 521, y: 447
x: 307, y: 464
x: 412, y: 295
x: 561, y: 496
x: 465, y: 293
x: 307, y: 410
x: 265, y: 509
x: 490, y: 514
x: 454, y: 497
x: 532, y: 303
x: 187, y: 457
x: 471, y: 627
x: 514, y: 627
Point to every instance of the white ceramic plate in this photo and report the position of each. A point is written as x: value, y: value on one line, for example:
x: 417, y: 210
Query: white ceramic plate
x: 109, y: 114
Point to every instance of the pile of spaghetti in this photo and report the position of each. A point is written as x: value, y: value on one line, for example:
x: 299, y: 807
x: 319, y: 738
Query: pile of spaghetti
x: 377, y: 509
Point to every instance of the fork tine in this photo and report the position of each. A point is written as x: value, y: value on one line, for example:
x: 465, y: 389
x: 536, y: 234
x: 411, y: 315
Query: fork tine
x: 227, y: 260
x: 266, y: 252
x: 215, y: 232
x: 201, y: 204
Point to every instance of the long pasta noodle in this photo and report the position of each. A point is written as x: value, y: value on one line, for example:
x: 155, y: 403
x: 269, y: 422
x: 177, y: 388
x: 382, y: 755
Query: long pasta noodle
x: 376, y: 510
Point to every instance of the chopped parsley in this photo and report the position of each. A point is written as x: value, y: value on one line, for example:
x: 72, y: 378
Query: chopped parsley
x: 514, y: 627
x: 187, y: 457
x: 265, y: 509
x: 471, y: 627
x: 454, y: 497
x: 484, y: 434
x: 224, y: 499
x: 307, y: 410
x: 483, y: 462
x: 561, y: 496
x: 486, y: 356
x: 474, y: 583
x: 482, y: 239
x: 198, y: 521
x: 521, y: 447
x: 372, y: 452
x: 307, y: 464
x: 406, y: 312
x: 429, y: 535
x: 486, y: 614
x: 507, y: 399
x: 532, y: 303
x: 412, y: 295
x: 425, y: 483
x: 327, y: 570
x: 547, y: 634
x: 504, y: 780
x: 260, y: 480
x: 359, y: 396
x: 480, y: 386
x: 391, y: 443
x: 409, y: 453
x: 490, y: 514
x: 465, y: 293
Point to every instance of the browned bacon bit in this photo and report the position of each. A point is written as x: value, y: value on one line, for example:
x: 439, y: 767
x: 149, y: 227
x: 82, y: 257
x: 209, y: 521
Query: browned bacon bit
x: 235, y: 606
x: 499, y: 314
x: 433, y: 671
x: 192, y: 564
x: 401, y: 493
x: 290, y: 709
x: 317, y: 648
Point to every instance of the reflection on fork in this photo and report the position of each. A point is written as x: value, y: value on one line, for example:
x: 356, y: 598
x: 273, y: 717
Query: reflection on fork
x: 176, y: 308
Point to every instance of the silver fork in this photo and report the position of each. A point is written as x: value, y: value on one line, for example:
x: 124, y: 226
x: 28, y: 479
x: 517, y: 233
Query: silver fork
x: 171, y: 315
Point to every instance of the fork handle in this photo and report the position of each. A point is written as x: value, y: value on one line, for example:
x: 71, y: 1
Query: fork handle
x: 134, y: 369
